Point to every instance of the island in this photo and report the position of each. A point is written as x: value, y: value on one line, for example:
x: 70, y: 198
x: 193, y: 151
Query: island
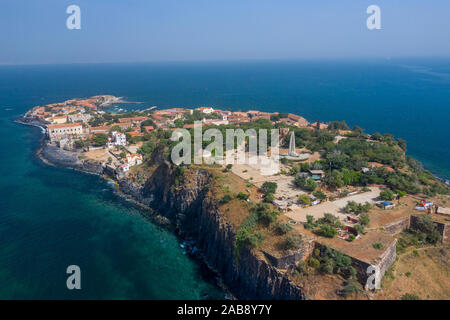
x: 347, y: 215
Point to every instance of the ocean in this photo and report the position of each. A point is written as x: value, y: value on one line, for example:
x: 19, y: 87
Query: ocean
x: 53, y: 217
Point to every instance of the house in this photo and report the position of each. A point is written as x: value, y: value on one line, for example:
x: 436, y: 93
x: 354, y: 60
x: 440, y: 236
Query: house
x: 319, y: 125
x: 134, y: 134
x: 134, y: 159
x: 120, y: 139
x: 124, y: 167
x: 99, y: 129
x: 83, y: 117
x: 386, y: 205
x: 216, y: 122
x: 207, y: 110
x: 58, y: 119
x: 297, y: 120
x: 317, y: 174
x: 55, y: 131
x: 125, y: 125
x: 148, y: 129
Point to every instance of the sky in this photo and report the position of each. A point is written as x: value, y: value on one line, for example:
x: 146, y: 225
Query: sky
x: 35, y: 32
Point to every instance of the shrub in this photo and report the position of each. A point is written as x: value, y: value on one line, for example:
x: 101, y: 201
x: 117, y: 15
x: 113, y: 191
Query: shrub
x: 264, y: 214
x: 387, y: 194
x: 319, y: 195
x: 364, y: 219
x: 377, y: 245
x: 304, y: 199
x: 331, y: 220
x: 359, y: 228
x: 242, y: 196
x: 292, y: 242
x: 350, y: 288
x: 313, y: 263
x: 225, y: 199
x: 310, y: 222
x: 269, y: 187
x: 269, y: 198
x: 307, y: 184
x: 427, y: 230
x: 327, y: 266
x: 301, y: 267
x: 357, y: 208
x: 408, y: 274
x: 327, y: 231
x: 282, y: 228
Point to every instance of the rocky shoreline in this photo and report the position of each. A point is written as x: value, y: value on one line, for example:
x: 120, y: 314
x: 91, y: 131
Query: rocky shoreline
x: 195, y: 218
x: 54, y: 156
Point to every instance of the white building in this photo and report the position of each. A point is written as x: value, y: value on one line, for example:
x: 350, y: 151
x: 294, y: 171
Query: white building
x: 83, y: 117
x: 124, y: 167
x: 206, y: 110
x: 216, y: 122
x: 57, y: 131
x: 120, y: 139
x: 134, y: 159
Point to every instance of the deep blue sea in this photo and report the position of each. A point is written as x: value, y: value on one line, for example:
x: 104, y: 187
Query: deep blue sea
x: 52, y: 217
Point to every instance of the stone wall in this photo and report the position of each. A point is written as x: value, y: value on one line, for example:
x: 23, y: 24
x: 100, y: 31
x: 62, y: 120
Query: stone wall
x: 443, y: 228
x: 291, y: 259
x: 397, y: 226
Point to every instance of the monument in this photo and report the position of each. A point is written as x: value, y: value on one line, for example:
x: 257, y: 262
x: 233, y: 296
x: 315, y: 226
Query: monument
x: 292, y: 150
x: 292, y: 153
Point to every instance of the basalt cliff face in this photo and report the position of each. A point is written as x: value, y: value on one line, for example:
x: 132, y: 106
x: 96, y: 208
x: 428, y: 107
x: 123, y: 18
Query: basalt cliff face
x: 190, y: 206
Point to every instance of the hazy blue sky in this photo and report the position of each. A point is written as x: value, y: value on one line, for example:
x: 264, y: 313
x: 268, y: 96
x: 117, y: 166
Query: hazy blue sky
x: 34, y: 31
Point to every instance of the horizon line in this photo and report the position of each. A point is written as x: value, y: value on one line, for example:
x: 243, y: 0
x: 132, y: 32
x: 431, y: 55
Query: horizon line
x: 387, y: 58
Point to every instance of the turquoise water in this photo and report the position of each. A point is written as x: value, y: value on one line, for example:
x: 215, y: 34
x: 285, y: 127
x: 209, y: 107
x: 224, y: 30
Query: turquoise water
x: 52, y: 217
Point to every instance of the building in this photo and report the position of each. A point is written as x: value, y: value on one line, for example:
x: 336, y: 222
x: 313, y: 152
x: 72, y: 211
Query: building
x: 134, y: 159
x: 386, y: 205
x: 317, y: 174
x: 216, y: 122
x: 56, y: 131
x: 133, y: 120
x: 79, y: 117
x: 148, y: 129
x: 297, y: 120
x: 124, y: 167
x: 100, y: 129
x: 119, y: 139
x: 207, y: 110
x: 58, y: 119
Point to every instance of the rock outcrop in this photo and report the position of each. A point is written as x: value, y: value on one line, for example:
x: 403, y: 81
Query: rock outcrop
x: 195, y: 214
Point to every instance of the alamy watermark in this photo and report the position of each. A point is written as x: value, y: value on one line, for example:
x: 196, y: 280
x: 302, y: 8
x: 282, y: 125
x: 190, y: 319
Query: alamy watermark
x: 74, y: 280
x: 74, y: 20
x: 373, y: 281
x: 374, y: 20
x: 249, y: 147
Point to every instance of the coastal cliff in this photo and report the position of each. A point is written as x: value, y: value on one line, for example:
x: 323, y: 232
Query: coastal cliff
x: 195, y: 214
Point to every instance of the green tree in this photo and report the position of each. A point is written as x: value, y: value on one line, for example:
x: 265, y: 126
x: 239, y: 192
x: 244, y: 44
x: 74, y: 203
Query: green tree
x: 387, y: 194
x: 99, y: 139
x: 269, y: 187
